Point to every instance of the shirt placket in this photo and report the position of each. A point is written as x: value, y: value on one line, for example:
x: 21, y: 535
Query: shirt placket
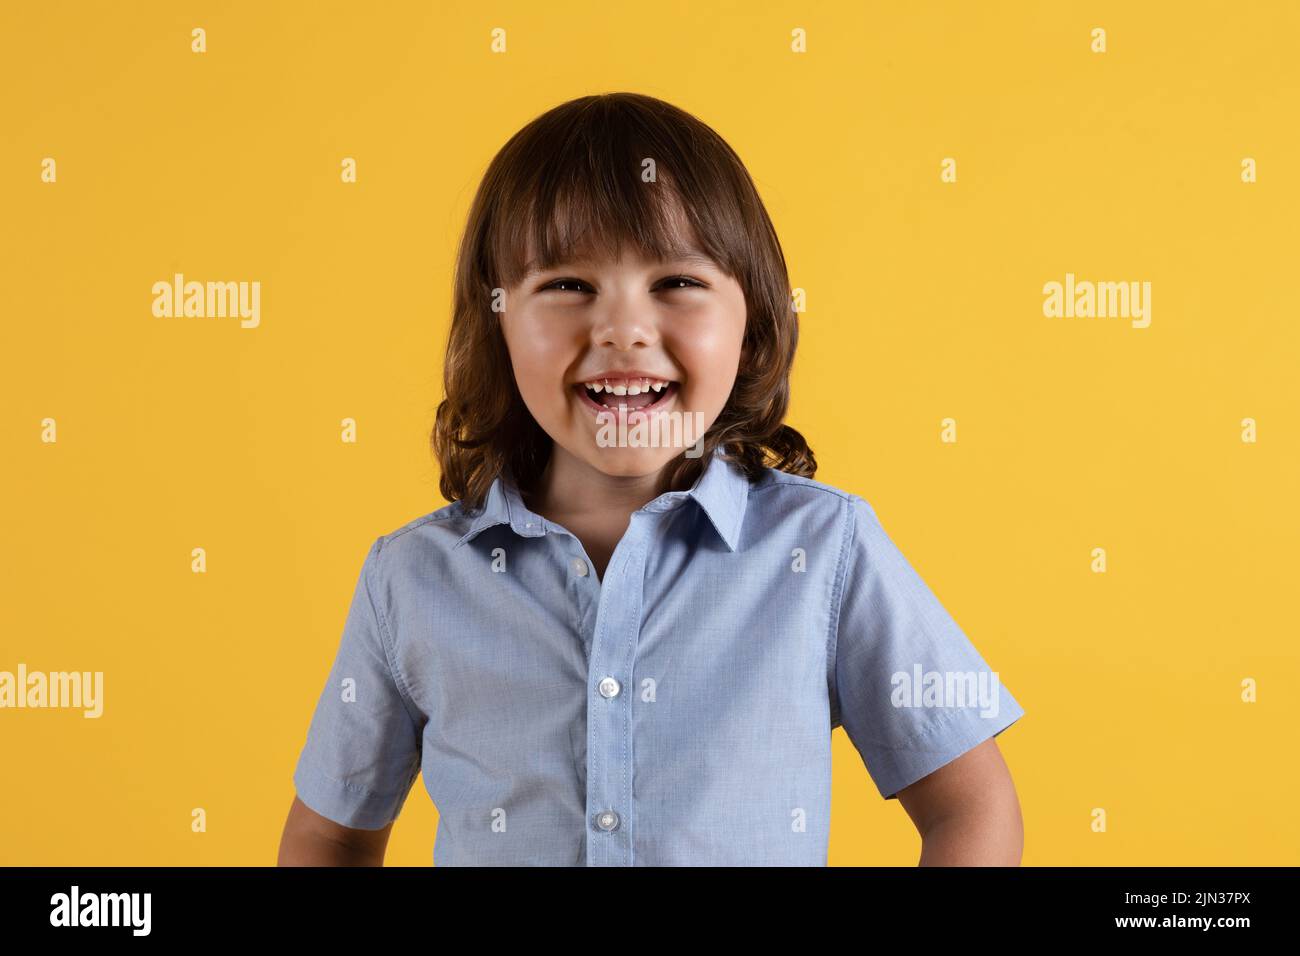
x: 609, y: 704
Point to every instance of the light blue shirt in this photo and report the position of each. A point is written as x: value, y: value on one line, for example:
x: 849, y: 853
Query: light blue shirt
x: 679, y: 712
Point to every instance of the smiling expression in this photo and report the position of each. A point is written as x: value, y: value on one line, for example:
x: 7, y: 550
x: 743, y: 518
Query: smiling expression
x: 672, y: 331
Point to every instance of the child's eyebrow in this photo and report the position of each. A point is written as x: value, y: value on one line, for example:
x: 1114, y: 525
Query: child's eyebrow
x: 694, y: 256
x: 686, y: 255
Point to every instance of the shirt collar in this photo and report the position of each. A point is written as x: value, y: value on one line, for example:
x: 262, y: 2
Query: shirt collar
x: 721, y: 491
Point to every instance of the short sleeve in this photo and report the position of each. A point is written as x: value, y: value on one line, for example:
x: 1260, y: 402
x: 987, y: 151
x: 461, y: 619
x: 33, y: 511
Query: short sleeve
x: 909, y: 688
x: 362, y: 752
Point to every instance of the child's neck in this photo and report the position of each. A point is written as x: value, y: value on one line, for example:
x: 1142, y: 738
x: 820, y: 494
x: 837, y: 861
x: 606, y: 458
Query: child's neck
x: 593, y: 506
x: 570, y: 488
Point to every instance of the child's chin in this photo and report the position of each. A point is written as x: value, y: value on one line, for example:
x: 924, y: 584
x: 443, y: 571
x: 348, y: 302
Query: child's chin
x: 630, y: 462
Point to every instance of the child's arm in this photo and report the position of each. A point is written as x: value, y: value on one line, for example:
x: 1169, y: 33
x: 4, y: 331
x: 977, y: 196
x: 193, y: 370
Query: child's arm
x: 310, y: 839
x: 967, y: 811
x: 363, y: 747
x: 921, y: 705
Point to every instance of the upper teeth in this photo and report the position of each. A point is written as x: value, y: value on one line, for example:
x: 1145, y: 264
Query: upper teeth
x: 630, y: 386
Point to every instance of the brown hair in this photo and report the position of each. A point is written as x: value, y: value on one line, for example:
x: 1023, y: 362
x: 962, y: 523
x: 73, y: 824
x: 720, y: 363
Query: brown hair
x: 573, y: 178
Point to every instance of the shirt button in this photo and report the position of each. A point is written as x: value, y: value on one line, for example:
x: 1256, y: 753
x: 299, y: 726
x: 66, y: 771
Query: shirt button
x: 609, y: 687
x: 608, y: 820
x: 580, y: 567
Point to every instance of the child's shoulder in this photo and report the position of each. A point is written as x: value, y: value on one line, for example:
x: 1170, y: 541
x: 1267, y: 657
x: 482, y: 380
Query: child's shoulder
x: 447, y: 524
x: 777, y: 498
x: 783, y: 484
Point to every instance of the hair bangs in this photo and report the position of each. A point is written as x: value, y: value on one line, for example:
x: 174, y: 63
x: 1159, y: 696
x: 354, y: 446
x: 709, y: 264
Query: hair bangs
x: 608, y: 186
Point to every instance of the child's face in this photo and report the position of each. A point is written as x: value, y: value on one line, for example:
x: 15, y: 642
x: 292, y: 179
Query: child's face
x: 598, y: 318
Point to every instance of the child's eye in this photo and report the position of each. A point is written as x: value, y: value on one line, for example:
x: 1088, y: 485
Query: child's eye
x: 669, y: 283
x: 558, y: 282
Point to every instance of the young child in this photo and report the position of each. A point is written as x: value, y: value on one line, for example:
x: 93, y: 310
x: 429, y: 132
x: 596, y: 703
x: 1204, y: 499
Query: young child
x: 612, y: 651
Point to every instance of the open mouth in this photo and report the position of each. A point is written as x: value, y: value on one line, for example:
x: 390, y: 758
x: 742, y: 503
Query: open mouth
x: 604, y: 399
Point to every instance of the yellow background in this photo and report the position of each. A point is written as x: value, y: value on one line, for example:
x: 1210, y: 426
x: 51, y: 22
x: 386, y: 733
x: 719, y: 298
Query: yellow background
x: 924, y: 302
